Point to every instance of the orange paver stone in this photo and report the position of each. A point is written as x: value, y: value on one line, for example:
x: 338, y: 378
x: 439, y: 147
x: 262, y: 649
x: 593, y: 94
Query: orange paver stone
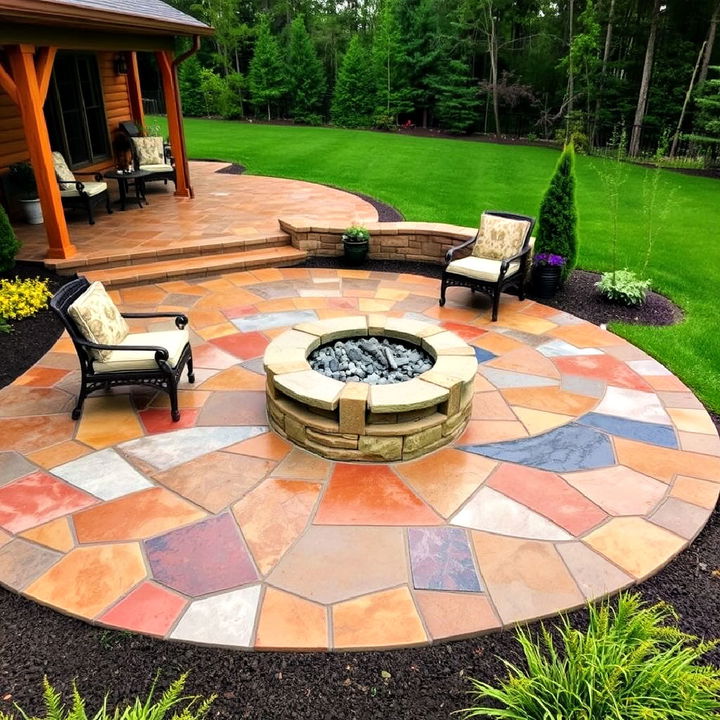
x: 287, y: 622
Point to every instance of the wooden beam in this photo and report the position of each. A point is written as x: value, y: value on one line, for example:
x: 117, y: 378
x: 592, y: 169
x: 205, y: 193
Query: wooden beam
x: 44, y: 60
x: 175, y: 125
x: 134, y: 90
x: 22, y: 64
x: 8, y: 84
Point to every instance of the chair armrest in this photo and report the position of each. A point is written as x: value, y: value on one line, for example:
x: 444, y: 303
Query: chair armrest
x: 449, y: 254
x: 180, y: 320
x: 95, y: 175
x: 161, y: 353
x: 79, y: 186
x: 506, y: 261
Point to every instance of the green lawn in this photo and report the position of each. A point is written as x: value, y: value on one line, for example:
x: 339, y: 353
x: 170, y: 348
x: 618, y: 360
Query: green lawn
x: 452, y: 181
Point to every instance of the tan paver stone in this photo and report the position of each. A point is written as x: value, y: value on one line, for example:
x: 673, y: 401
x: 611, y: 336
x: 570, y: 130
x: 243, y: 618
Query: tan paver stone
x: 525, y: 360
x: 539, y: 421
x: 216, y: 480
x: 108, y: 420
x: 20, y: 400
x: 411, y: 395
x: 525, y: 323
x: 694, y: 421
x: 363, y: 560
x: 550, y: 399
x: 58, y: 454
x: 698, y: 492
x: 289, y: 622
x: 491, y: 406
x: 234, y: 378
x: 135, y: 517
x: 461, y: 367
x: 273, y: 516
x: 456, y: 615
x: 594, y: 575
x: 619, y: 490
x: 89, y: 579
x: 446, y: 342
x: 526, y: 579
x: 408, y: 329
x: 55, y: 535
x: 311, y: 388
x: 268, y: 445
x: 384, y: 619
x: 479, y: 432
x: 700, y: 443
x: 637, y: 546
x: 497, y: 343
x: 335, y: 328
x: 353, y: 405
x: 682, y: 518
x: 587, y: 335
x: 303, y: 465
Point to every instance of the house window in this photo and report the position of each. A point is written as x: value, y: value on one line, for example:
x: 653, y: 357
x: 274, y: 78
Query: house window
x: 74, y: 110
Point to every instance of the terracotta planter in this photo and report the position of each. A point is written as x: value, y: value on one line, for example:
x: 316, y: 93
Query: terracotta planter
x: 546, y: 280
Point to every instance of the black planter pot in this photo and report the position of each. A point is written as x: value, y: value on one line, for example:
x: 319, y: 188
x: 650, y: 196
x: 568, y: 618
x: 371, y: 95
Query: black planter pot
x: 546, y: 280
x: 355, y: 252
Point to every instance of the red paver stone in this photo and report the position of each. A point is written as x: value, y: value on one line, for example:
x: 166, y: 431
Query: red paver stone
x: 159, y: 420
x: 243, y: 345
x: 147, y: 609
x: 602, y: 367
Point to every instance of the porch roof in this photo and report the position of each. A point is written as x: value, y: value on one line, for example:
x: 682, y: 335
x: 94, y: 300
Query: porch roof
x: 157, y: 17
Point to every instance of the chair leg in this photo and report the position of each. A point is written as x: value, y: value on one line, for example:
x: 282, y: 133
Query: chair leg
x: 107, y: 203
x: 173, y: 393
x: 190, y: 371
x: 521, y: 291
x: 443, y: 287
x: 77, y: 410
x: 88, y: 208
x: 495, y: 304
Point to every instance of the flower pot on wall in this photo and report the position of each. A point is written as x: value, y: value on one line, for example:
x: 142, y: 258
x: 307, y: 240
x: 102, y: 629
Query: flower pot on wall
x: 33, y: 211
x: 546, y: 280
x: 356, y: 243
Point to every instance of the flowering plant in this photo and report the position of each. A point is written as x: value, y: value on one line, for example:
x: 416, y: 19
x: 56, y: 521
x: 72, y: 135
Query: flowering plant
x: 547, y: 259
x: 22, y: 298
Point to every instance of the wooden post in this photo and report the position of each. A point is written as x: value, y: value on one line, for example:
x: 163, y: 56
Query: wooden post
x: 30, y: 101
x: 134, y: 91
x: 174, y: 117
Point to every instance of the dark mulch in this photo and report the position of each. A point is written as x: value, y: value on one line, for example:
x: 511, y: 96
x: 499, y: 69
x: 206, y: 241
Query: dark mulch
x: 232, y: 169
x: 31, y: 337
x: 423, y: 683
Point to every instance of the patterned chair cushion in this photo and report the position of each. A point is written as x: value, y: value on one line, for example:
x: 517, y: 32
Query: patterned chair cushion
x: 149, y: 150
x: 63, y: 172
x: 499, y: 237
x: 481, y: 268
x: 98, y: 320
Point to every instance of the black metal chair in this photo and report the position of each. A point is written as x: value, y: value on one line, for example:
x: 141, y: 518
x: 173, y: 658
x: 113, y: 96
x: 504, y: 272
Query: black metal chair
x: 155, y: 365
x: 487, y: 275
x: 76, y: 194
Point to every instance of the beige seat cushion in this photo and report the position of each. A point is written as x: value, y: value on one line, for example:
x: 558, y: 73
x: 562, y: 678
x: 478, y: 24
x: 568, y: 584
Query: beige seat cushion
x: 481, y: 268
x: 157, y: 168
x: 174, y: 341
x: 63, y: 172
x: 499, y: 237
x: 149, y: 150
x: 90, y: 188
x: 98, y: 319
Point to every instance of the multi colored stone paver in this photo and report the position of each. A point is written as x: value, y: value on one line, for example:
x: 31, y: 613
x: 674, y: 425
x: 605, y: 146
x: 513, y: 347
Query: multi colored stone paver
x: 585, y: 467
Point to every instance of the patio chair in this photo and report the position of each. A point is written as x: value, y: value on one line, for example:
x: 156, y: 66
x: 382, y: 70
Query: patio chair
x: 151, y: 155
x: 110, y: 355
x: 76, y: 194
x: 499, y: 258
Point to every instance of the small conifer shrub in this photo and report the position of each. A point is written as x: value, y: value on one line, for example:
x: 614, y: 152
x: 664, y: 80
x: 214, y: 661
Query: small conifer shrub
x: 9, y: 244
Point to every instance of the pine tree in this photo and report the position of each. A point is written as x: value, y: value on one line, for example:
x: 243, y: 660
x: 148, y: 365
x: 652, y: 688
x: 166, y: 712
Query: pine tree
x: 267, y: 74
x: 557, y: 219
x: 354, y: 98
x: 306, y: 76
x: 9, y: 244
x: 457, y: 97
x: 191, y: 94
x: 707, y: 122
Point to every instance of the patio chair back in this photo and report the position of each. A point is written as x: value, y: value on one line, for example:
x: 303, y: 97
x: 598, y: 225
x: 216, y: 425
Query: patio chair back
x: 515, y: 216
x: 61, y: 302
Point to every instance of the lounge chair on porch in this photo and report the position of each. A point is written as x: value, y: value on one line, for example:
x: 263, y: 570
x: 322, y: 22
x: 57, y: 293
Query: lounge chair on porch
x: 499, y: 258
x: 110, y: 355
x: 77, y: 194
x: 152, y: 156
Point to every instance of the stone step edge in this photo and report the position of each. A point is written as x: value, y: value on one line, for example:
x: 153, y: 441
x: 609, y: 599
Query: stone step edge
x: 169, y: 269
x: 140, y: 257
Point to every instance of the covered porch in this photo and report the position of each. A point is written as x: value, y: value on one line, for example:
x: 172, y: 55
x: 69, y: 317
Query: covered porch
x: 68, y: 77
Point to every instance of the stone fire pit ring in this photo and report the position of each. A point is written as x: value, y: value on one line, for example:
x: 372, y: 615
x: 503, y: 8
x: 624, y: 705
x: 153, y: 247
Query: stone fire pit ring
x: 359, y: 422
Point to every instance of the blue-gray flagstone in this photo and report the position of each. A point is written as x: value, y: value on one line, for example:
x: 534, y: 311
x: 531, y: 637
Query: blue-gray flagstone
x: 512, y: 379
x: 168, y: 450
x: 421, y: 318
x: 565, y: 449
x: 652, y: 433
x: 255, y: 365
x: 262, y: 321
x: 104, y: 474
x: 482, y: 355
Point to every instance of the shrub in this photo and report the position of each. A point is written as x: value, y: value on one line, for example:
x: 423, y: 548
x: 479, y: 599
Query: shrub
x: 557, y: 233
x: 356, y: 234
x: 171, y: 701
x: 353, y: 101
x: 9, y: 244
x: 623, y: 287
x: 22, y: 298
x: 632, y: 663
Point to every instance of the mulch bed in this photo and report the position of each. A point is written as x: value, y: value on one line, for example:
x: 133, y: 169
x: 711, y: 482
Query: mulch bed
x: 417, y: 684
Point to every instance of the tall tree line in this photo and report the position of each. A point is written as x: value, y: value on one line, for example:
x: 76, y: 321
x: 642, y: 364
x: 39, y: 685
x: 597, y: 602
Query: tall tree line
x: 550, y: 69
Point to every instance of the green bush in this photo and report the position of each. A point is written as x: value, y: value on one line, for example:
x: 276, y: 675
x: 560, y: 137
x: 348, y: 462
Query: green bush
x: 557, y: 232
x: 353, y: 102
x: 171, y: 705
x: 623, y: 287
x: 9, y: 244
x: 632, y: 663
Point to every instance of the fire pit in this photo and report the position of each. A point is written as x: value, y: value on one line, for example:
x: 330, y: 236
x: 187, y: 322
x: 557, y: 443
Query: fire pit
x: 395, y: 390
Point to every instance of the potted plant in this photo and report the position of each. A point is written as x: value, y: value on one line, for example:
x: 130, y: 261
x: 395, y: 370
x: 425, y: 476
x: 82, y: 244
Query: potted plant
x: 356, y: 242
x: 23, y: 183
x: 547, y: 273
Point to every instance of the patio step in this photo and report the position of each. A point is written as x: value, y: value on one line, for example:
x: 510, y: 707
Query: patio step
x: 196, y: 266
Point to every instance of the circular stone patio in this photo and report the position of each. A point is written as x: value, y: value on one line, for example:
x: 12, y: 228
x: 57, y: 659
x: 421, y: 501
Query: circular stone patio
x: 585, y: 467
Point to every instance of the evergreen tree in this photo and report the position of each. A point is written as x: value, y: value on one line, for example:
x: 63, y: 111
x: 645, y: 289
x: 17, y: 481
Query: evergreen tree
x: 354, y: 98
x: 707, y: 122
x: 9, y: 244
x: 193, y: 100
x: 557, y: 219
x: 267, y: 73
x: 457, y: 97
x: 306, y: 76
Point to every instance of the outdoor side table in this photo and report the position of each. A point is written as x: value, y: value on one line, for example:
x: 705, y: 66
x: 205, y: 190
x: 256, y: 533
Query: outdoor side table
x: 127, y: 181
